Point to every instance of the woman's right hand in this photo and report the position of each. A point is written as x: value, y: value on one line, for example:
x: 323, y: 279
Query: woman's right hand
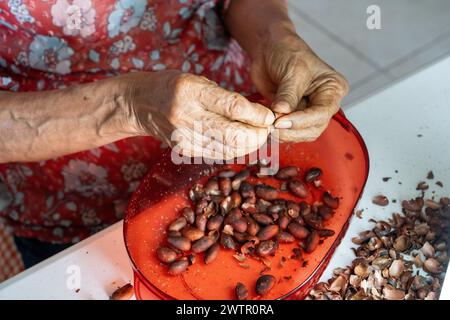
x: 195, y: 115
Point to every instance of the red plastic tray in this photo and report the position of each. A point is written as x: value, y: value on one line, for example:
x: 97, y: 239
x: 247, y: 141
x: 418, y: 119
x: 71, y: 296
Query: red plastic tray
x: 340, y: 152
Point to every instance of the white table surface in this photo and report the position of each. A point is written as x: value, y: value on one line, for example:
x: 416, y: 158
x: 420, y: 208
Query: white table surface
x: 389, y: 121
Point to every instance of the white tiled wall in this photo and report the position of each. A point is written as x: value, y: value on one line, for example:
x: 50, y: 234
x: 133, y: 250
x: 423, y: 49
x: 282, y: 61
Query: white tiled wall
x: 414, y: 34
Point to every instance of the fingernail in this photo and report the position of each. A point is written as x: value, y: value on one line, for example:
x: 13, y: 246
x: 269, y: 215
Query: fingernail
x: 283, y: 124
x: 270, y: 118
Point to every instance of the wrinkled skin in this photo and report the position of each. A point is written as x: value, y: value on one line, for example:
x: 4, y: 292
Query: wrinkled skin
x: 305, y: 91
x: 187, y: 110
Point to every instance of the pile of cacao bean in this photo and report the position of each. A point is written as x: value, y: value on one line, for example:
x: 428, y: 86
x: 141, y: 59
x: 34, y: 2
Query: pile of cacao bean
x: 229, y: 212
x: 404, y: 258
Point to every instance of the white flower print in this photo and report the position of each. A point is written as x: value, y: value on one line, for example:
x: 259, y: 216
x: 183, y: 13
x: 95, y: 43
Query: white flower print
x: 126, y: 15
x: 133, y: 171
x: 50, y: 54
x: 20, y: 11
x: 6, y: 198
x: 149, y: 20
x: 16, y: 176
x: 191, y: 59
x: 76, y: 18
x: 89, y: 216
x: 87, y: 179
x: 22, y: 58
x: 122, y: 46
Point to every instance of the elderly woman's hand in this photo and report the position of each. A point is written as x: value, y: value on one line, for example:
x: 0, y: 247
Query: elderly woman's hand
x: 306, y: 92
x: 195, y: 115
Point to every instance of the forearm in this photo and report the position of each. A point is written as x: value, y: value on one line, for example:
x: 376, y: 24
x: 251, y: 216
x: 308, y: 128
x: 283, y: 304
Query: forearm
x: 42, y: 125
x: 254, y: 23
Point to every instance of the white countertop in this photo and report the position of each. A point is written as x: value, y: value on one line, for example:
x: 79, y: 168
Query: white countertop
x: 389, y: 121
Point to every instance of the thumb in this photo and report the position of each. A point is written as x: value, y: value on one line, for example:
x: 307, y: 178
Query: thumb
x: 289, y: 93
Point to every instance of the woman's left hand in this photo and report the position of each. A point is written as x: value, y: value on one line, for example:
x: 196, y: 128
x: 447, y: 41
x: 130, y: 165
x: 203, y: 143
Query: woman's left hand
x: 306, y: 92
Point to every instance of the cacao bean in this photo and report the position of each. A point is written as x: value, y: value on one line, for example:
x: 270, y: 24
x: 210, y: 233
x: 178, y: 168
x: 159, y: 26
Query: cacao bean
x: 262, y: 205
x: 166, y: 255
x: 173, y: 233
x: 266, y: 248
x: 212, y: 186
x: 314, y: 221
x: 196, y: 193
x: 236, y: 200
x: 192, y: 233
x: 276, y: 208
x: 287, y: 173
x: 313, y: 174
x: 201, y: 206
x: 329, y: 200
x: 285, y: 237
x: 180, y: 243
x: 227, y: 174
x: 293, y: 209
x: 283, y: 221
x: 211, y: 253
x: 233, y: 215
x: 325, y: 233
x: 241, y: 291
x: 298, y: 188
x: 268, y: 232
x: 263, y: 219
x: 297, y: 230
x: 226, y: 204
x: 312, y: 241
x: 380, y: 200
x: 415, y: 205
x: 123, y: 293
x: 249, y: 208
x: 240, y: 237
x: 188, y: 214
x: 178, y: 267
x: 202, y: 244
x: 325, y: 212
x: 305, y: 209
x: 266, y: 192
x: 178, y: 224
x: 214, y: 223
x: 252, y: 226
x: 264, y: 284
x: 200, y: 222
x: 227, y: 241
x: 242, y: 175
x: 247, y: 190
x: 225, y: 186
x: 240, y: 225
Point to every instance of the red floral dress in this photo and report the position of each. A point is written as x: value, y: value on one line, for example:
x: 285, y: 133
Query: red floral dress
x: 53, y: 44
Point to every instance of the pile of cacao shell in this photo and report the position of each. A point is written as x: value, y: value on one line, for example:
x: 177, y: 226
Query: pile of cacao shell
x: 231, y: 213
x: 403, y: 258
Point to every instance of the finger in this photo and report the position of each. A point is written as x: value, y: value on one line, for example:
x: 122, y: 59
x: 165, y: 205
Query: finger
x: 235, y: 107
x: 290, y: 91
x: 218, y: 150
x: 324, y: 103
x: 216, y: 137
x: 304, y: 135
x: 310, y: 117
